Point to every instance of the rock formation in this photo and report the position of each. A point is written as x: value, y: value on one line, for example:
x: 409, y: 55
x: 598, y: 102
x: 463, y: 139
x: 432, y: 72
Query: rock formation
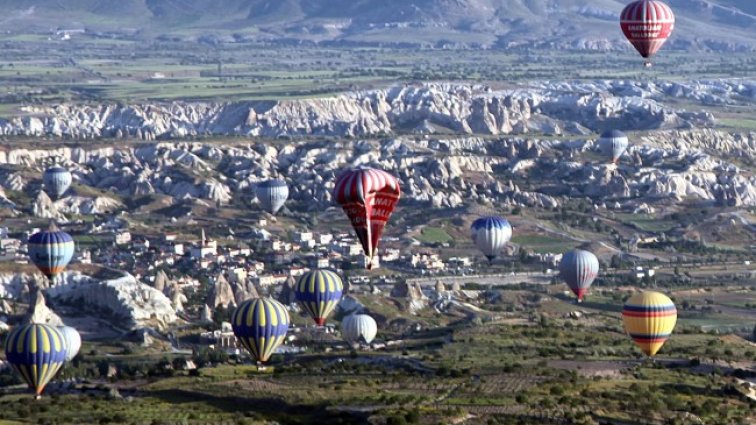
x: 413, y: 293
x: 127, y: 302
x: 39, y: 312
x: 221, y: 294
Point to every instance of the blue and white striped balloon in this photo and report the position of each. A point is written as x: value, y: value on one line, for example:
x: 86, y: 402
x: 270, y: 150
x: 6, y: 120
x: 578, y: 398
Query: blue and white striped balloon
x: 51, y: 251
x: 272, y: 195
x: 57, y: 180
x: 490, y: 235
x: 613, y: 143
x: 578, y: 269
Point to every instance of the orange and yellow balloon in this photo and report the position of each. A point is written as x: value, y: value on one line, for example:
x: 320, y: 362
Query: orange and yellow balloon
x: 649, y: 319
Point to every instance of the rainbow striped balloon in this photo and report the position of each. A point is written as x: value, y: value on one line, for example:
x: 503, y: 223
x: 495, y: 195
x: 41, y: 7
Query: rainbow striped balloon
x: 318, y: 292
x: 260, y: 325
x: 36, y: 352
x: 51, y: 251
x: 649, y: 319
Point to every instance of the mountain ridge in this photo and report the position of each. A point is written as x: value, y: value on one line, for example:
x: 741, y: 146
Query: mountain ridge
x: 702, y: 24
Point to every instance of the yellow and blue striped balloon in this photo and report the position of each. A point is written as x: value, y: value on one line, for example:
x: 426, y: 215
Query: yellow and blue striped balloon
x: 318, y: 292
x: 649, y: 319
x: 51, y: 251
x: 260, y: 324
x: 36, y: 352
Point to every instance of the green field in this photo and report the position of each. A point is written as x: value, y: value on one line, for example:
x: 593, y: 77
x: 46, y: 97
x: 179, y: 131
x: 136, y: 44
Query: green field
x: 434, y: 235
x: 746, y: 124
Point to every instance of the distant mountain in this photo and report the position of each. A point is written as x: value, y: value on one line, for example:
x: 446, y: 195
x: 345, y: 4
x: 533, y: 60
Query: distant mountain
x: 702, y: 24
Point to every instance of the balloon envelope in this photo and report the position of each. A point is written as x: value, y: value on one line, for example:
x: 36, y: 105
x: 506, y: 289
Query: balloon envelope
x: 36, y: 352
x: 368, y: 197
x: 578, y: 269
x: 57, y: 180
x: 490, y: 235
x: 73, y: 341
x: 272, y: 195
x: 51, y: 251
x: 260, y: 325
x: 613, y: 143
x: 647, y: 24
x: 358, y: 328
x: 649, y: 318
x: 319, y: 291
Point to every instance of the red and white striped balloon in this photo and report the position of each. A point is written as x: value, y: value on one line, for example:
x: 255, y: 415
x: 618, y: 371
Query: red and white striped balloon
x: 647, y: 24
x: 368, y: 197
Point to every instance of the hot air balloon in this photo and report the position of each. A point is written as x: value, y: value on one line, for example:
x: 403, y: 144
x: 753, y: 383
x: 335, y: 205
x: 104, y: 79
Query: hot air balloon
x: 613, y: 143
x: 57, y: 180
x: 260, y: 324
x: 272, y: 195
x: 647, y: 24
x: 359, y: 328
x: 319, y: 291
x: 36, y: 352
x: 649, y: 319
x: 368, y: 197
x: 578, y: 269
x: 51, y: 251
x: 73, y: 341
x: 490, y: 235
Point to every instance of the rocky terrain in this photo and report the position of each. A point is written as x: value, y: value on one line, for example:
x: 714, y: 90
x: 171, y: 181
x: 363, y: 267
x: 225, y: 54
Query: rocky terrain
x: 124, y: 302
x: 404, y: 130
x: 440, y: 172
x: 450, y: 145
x: 547, y: 108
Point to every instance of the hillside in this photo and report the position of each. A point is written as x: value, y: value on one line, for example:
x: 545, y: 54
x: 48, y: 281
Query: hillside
x: 702, y: 24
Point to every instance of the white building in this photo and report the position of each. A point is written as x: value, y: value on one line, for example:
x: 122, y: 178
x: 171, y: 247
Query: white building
x: 206, y: 248
x: 122, y: 238
x: 303, y: 236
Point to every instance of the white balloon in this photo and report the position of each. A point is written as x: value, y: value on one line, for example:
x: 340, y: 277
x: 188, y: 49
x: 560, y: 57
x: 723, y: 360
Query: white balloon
x: 72, y: 340
x: 359, y: 328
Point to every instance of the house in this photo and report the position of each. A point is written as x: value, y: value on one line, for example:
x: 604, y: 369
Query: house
x: 205, y: 249
x: 141, y: 245
x: 270, y: 279
x: 84, y: 257
x: 178, y: 249
x: 9, y: 246
x: 427, y: 261
x: 122, y: 237
x: 547, y: 258
x: 319, y: 262
x: 351, y: 249
x: 460, y: 262
x: 390, y: 254
x: 324, y: 238
x: 366, y: 261
x: 237, y: 275
x: 297, y: 271
x: 303, y: 237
